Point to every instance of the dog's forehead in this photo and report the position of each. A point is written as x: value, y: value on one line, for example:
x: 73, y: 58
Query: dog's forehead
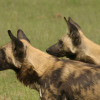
x: 26, y: 43
x: 7, y: 48
x: 65, y: 38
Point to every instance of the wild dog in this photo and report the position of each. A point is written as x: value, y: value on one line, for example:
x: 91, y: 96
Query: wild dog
x: 75, y: 45
x: 58, y: 79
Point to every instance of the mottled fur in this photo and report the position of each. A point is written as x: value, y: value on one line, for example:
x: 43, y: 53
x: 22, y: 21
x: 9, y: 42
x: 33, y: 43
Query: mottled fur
x: 75, y: 46
x: 57, y: 79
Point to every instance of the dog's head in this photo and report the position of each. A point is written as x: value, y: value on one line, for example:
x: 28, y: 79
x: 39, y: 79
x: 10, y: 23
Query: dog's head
x: 69, y: 43
x: 12, y: 54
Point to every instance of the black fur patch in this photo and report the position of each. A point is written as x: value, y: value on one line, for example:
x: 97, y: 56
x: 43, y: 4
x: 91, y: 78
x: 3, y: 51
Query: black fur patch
x: 71, y: 55
x: 3, y: 63
x: 27, y: 76
x: 55, y: 76
x: 2, y: 54
x: 84, y: 81
x: 75, y: 35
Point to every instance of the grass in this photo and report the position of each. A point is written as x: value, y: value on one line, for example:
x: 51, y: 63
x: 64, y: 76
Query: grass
x: 43, y: 23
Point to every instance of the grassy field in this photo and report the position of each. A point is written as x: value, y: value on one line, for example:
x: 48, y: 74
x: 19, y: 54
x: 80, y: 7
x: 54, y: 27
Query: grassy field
x: 43, y: 23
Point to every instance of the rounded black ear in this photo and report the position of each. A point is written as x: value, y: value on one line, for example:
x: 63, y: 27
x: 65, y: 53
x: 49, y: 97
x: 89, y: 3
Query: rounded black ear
x: 11, y: 35
x: 65, y: 19
x: 15, y: 41
x: 73, y: 31
x: 74, y: 23
x: 17, y: 46
x: 21, y: 35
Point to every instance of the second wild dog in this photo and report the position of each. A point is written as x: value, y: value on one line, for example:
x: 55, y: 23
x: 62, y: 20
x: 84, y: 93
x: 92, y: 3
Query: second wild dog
x: 76, y: 46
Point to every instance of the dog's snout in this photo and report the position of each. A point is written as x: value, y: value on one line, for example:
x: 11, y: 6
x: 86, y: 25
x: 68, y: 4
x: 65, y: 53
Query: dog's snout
x: 47, y: 50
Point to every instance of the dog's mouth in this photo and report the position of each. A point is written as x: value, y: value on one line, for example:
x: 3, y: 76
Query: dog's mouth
x: 56, y: 54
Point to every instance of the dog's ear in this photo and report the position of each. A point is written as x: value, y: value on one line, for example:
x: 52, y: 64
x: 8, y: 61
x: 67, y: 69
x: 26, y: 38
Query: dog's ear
x: 74, y: 23
x: 73, y: 31
x: 21, y: 35
x: 17, y: 46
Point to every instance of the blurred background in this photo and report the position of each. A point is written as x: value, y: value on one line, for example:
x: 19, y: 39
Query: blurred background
x: 42, y: 21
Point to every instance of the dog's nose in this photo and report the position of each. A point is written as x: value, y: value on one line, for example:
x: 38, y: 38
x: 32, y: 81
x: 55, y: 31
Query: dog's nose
x: 47, y: 50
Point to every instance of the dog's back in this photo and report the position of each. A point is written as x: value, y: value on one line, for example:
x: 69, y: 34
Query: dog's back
x: 71, y: 80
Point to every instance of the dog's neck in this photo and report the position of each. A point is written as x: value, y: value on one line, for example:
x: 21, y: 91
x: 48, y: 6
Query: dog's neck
x: 39, y: 60
x: 90, y: 52
x: 27, y: 75
x: 36, y: 63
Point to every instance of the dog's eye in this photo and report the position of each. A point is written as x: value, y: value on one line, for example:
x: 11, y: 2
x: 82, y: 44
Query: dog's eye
x: 68, y: 35
x: 60, y: 42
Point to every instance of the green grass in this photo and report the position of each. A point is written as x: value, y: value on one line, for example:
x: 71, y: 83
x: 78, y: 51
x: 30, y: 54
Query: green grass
x: 43, y: 23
